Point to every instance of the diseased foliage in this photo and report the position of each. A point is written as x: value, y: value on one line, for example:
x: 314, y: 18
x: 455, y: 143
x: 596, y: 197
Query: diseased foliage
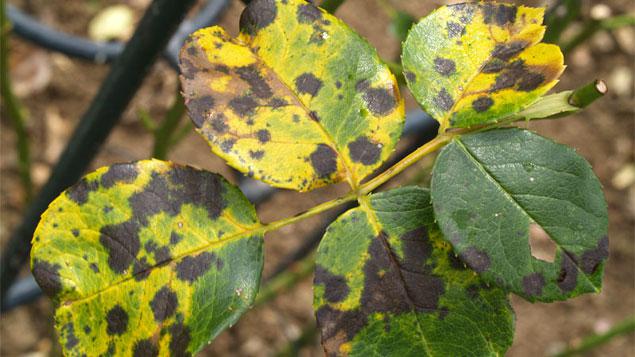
x: 474, y: 63
x: 148, y: 256
x: 296, y: 86
x: 152, y: 258
x: 488, y: 188
x: 386, y: 283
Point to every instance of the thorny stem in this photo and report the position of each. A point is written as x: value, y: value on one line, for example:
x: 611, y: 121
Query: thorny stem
x: 14, y: 111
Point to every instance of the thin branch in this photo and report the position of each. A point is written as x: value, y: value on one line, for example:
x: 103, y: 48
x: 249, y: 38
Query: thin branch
x: 592, y: 27
x: 164, y: 133
x: 591, y: 342
x: 14, y: 110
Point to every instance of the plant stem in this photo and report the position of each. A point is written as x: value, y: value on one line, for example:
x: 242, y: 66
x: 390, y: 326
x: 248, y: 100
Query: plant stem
x: 331, y: 5
x: 593, y: 341
x: 587, y: 94
x: 594, y: 26
x: 14, y: 111
x: 163, y: 134
x: 406, y: 162
x: 351, y: 196
x: 286, y: 280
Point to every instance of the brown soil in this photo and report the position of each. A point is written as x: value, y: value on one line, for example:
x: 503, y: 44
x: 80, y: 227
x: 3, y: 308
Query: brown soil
x: 603, y: 134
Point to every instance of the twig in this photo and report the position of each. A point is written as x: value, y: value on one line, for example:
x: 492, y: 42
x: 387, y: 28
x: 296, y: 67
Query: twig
x: 596, y: 340
x: 592, y: 27
x: 14, y: 110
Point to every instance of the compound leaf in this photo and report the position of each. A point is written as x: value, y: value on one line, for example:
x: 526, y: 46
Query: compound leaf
x: 387, y: 284
x: 474, y: 63
x: 297, y: 100
x: 146, y: 258
x: 489, y: 188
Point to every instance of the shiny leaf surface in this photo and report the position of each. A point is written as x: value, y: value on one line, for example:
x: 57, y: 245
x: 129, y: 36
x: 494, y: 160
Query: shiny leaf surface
x: 490, y: 188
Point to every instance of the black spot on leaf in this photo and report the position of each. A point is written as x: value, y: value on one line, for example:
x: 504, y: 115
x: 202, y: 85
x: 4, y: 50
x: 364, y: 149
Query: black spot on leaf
x: 533, y: 284
x: 258, y: 15
x: 219, y: 124
x: 365, y: 151
x: 47, y: 277
x: 119, y: 173
x: 117, y: 320
x: 530, y: 81
x: 94, y: 268
x: 259, y: 86
x: 145, y: 348
x: 308, y: 83
x: 339, y: 327
x: 443, y: 100
x: 335, y: 287
x: 222, y: 68
x: 227, y: 145
x: 191, y: 268
x: 243, y: 106
x: 477, y: 259
x: 308, y: 14
x: 79, y: 192
x: 75, y: 232
x: 592, y: 259
x: 411, y: 77
x: 324, y: 161
x: 505, y: 51
x: 380, y: 101
x: 122, y: 243
x: 455, y: 29
x: 568, y: 277
x: 493, y: 66
x: 263, y: 135
x: 175, y: 238
x: 276, y: 103
x: 482, y: 104
x: 68, y: 332
x: 164, y: 304
x: 199, y: 109
x: 180, y: 340
x: 256, y: 155
x: 444, y: 66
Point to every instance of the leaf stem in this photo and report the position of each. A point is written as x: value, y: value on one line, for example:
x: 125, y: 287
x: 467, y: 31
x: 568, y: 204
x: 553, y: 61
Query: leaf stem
x: 587, y: 94
x: 351, y: 196
x: 428, y: 148
x: 14, y: 111
x: 593, y: 341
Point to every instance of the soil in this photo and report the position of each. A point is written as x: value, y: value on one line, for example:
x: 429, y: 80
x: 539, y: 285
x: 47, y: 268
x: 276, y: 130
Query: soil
x: 56, y: 90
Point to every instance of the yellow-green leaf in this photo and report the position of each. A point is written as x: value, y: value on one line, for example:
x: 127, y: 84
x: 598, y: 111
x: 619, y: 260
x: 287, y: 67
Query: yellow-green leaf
x: 387, y: 284
x: 297, y: 100
x: 474, y: 63
x: 147, y: 258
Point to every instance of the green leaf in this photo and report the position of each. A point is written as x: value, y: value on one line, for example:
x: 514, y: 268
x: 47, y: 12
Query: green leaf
x: 489, y: 188
x: 474, y: 63
x: 298, y: 87
x: 387, y: 284
x: 146, y: 258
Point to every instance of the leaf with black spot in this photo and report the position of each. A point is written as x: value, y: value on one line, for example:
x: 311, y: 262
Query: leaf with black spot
x: 488, y: 188
x: 475, y: 63
x: 386, y: 284
x: 174, y: 259
x: 297, y: 86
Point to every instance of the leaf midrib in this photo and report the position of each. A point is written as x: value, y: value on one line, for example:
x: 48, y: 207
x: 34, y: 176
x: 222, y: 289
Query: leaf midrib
x: 259, y: 229
x: 350, y: 174
x: 481, y: 167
